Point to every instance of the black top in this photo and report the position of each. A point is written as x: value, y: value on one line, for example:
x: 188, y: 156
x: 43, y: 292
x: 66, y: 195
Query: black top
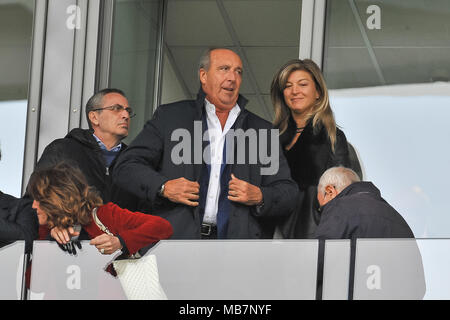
x: 18, y: 221
x: 359, y: 211
x: 308, y: 159
x: 312, y: 154
x: 80, y: 149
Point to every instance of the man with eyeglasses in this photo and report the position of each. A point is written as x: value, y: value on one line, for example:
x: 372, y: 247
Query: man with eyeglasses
x: 95, y: 150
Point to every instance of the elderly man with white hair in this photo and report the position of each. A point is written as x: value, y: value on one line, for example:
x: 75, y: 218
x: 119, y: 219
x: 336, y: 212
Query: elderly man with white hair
x: 352, y: 209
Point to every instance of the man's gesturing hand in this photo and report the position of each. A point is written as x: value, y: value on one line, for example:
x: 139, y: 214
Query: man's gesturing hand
x: 244, y: 192
x: 183, y: 191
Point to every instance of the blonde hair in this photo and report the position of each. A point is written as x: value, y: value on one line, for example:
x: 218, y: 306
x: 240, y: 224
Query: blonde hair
x: 64, y: 195
x: 320, y: 112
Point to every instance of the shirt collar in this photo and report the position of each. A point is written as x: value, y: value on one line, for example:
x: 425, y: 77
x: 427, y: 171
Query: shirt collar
x: 211, y: 109
x: 103, y: 147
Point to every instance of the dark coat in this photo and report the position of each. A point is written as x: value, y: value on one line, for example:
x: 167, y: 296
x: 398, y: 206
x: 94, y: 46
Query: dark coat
x: 359, y: 211
x: 147, y: 164
x: 18, y: 221
x: 308, y: 159
x: 80, y: 149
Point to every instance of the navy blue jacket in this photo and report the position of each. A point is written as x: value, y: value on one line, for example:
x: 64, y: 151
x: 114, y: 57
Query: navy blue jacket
x: 146, y: 164
x: 359, y: 211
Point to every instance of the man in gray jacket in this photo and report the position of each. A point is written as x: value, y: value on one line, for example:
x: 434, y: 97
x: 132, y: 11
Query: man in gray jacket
x: 192, y: 164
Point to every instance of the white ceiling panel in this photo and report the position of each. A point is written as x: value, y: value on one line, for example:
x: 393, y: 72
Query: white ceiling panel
x: 265, y: 62
x: 266, y: 32
x: 195, y: 23
x: 267, y: 23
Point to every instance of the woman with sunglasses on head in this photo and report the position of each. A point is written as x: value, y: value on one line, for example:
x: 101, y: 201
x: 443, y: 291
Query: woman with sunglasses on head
x: 64, y: 200
x: 309, y: 137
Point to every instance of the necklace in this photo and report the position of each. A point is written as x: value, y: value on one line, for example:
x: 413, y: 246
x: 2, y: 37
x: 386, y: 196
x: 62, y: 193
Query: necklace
x: 299, y: 130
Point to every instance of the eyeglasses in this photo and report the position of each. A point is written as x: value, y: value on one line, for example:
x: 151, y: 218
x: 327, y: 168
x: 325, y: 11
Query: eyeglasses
x: 117, y: 108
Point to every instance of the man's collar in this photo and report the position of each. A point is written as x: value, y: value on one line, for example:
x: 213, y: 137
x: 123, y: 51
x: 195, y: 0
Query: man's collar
x: 103, y: 146
x: 212, y: 108
x: 201, y: 95
x: 354, y: 188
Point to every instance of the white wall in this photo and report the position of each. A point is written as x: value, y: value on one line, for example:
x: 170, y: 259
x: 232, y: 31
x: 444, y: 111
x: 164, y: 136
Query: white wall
x: 401, y: 134
x: 172, y: 89
x: 12, y: 143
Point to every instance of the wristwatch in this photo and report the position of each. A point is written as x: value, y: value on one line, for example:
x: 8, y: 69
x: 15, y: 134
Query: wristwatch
x: 161, y: 191
x: 259, y: 207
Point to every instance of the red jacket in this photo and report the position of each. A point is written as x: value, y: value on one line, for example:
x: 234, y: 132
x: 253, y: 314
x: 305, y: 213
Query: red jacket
x: 137, y: 229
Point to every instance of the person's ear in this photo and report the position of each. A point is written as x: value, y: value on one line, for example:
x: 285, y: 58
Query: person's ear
x: 93, y: 118
x: 331, y: 192
x: 202, y: 73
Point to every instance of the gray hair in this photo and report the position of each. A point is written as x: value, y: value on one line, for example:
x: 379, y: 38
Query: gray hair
x: 339, y: 177
x: 96, y: 100
x: 205, y: 59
